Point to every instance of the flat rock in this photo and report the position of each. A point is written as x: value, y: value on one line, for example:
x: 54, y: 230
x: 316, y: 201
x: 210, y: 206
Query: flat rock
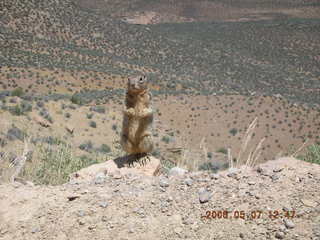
x: 176, y: 171
x: 122, y: 166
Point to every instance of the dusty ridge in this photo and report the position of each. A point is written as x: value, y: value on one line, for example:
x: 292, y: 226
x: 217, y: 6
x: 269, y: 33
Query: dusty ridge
x: 136, y: 207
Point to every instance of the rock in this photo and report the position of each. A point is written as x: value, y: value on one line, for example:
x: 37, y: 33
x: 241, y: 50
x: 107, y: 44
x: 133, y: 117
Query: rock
x: 164, y: 182
x: 41, y: 121
x: 214, y: 176
x: 279, y: 235
x: 309, y: 203
x: 188, y: 182
x: 288, y: 223
x: 233, y: 172
x: 204, y: 195
x: 176, y: 171
x: 119, y: 167
x: 35, y: 230
x: 70, y: 128
x: 275, y: 177
x: 100, y: 178
x: 103, y: 204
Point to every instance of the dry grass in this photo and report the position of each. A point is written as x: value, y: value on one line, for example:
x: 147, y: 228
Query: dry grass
x: 255, y: 153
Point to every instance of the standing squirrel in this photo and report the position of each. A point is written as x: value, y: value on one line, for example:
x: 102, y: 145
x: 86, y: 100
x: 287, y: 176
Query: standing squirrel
x: 137, y: 118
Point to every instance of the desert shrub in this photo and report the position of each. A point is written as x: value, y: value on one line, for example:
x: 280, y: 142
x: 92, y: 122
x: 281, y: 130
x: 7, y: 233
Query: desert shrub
x: 93, y: 124
x: 18, y: 92
x: 15, y: 133
x: 3, y: 142
x: 222, y: 150
x: 16, y: 110
x: 166, y: 139
x: 89, y: 115
x: 40, y: 104
x: 312, y: 155
x: 44, y: 113
x: 76, y: 99
x: 67, y: 115
x: 209, y: 155
x: 98, y: 109
x: 213, y: 166
x: 86, y: 146
x: 104, y: 148
x: 114, y: 127
x: 233, y: 131
x: 54, y: 164
x: 21, y: 108
x: 25, y: 106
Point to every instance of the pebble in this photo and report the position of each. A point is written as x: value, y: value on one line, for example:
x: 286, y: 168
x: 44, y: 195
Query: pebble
x: 279, y: 235
x: 176, y: 171
x: 204, y: 196
x: 35, y: 230
x: 214, y: 176
x: 164, y: 182
x: 188, y: 182
x: 289, y: 224
x: 100, y: 178
x: 103, y: 204
x: 233, y: 172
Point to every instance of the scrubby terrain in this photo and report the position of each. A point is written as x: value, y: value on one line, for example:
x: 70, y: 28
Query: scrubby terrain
x: 234, y: 84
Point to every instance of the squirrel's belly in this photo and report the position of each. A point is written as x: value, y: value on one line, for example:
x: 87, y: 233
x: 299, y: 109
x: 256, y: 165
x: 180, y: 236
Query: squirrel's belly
x: 134, y: 125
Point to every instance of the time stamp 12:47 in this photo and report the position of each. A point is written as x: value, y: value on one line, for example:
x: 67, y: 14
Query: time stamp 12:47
x: 248, y: 215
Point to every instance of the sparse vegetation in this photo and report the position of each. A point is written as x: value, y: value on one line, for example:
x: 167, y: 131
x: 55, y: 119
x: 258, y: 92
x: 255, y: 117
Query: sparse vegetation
x: 312, y: 155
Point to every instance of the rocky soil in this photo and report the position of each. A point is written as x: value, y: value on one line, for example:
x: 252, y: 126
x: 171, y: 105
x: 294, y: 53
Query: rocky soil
x: 130, y: 206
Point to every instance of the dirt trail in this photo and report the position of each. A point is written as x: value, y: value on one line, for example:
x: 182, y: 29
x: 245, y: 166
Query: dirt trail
x: 140, y: 207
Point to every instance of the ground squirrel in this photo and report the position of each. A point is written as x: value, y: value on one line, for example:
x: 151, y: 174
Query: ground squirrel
x: 137, y: 118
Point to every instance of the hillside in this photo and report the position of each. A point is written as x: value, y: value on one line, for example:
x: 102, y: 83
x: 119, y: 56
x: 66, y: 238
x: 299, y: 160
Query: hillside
x: 273, y: 56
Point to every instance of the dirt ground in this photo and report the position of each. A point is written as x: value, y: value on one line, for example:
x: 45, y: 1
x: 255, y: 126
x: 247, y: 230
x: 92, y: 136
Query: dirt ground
x: 277, y: 200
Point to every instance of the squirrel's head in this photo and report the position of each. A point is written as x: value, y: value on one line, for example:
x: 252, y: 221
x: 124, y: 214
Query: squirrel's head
x: 137, y: 84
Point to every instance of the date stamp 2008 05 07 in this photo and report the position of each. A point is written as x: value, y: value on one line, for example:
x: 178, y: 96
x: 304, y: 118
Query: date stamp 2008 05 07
x: 248, y: 215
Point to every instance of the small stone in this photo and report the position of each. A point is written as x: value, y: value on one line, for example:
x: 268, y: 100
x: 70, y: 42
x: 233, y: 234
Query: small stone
x: 176, y: 171
x: 169, y: 199
x: 309, y: 203
x: 251, y: 183
x: 35, y: 230
x: 81, y: 222
x: 275, y: 177
x: 204, y: 196
x: 277, y: 169
x: 188, y: 182
x: 100, y: 178
x: 164, y: 182
x: 214, y: 176
x: 279, y: 235
x: 81, y: 213
x: 289, y: 224
x: 232, y: 172
x: 103, y: 204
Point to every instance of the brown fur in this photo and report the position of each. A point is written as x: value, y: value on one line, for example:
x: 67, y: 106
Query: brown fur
x: 137, y: 118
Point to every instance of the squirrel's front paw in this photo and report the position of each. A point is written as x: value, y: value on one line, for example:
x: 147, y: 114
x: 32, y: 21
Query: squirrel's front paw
x: 130, y: 112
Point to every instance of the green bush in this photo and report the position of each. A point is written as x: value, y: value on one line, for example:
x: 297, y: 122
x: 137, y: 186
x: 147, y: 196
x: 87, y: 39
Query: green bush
x: 104, y: 148
x: 312, y: 155
x: 93, y: 124
x: 18, y: 92
x: 55, y: 164
x: 86, y: 146
x: 76, y: 99
x: 222, y: 150
x: 166, y: 139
